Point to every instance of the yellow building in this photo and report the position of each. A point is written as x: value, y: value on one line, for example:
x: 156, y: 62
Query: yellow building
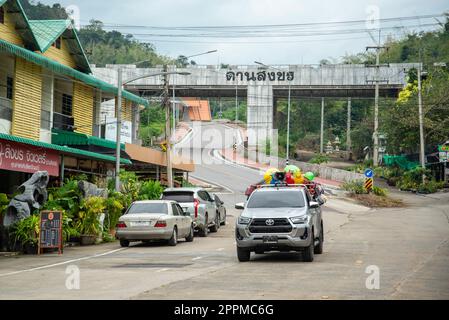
x: 49, y: 99
x: 50, y: 107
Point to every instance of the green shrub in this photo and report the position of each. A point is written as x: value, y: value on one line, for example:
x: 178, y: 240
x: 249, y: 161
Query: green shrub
x: 378, y: 191
x: 150, y: 190
x: 115, y: 206
x: 26, y: 231
x: 4, y: 202
x: 90, y: 211
x: 356, y: 187
x: 430, y: 186
x: 412, y: 179
x: 319, y: 159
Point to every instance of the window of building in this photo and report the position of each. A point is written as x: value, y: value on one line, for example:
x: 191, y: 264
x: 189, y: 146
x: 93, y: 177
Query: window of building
x: 9, y: 88
x: 67, y: 104
x: 2, y: 15
x: 57, y: 43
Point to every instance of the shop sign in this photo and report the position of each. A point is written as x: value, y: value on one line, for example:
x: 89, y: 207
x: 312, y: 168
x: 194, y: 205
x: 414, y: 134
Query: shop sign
x: 20, y: 157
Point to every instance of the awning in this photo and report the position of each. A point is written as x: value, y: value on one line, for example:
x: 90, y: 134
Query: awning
x: 64, y: 150
x: 67, y: 71
x: 156, y: 157
x: 67, y: 138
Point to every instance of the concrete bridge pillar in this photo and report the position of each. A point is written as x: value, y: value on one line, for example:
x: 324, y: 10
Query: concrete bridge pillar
x: 260, y: 114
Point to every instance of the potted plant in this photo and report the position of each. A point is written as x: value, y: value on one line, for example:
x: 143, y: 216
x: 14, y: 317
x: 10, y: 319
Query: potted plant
x: 89, y: 224
x: 26, y: 232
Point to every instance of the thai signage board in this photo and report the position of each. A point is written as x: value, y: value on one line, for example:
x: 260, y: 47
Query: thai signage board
x: 260, y: 76
x: 21, y: 157
x: 50, y: 231
x: 126, y: 131
x: 444, y: 153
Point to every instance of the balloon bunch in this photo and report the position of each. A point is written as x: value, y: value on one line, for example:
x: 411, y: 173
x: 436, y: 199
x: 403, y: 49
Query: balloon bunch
x: 291, y: 175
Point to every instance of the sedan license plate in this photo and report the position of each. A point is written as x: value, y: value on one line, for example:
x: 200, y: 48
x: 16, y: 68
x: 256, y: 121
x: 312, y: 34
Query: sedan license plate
x: 270, y: 239
x: 140, y: 224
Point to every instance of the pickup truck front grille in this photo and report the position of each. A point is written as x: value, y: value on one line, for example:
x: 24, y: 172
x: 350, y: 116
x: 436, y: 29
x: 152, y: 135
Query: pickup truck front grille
x: 279, y: 226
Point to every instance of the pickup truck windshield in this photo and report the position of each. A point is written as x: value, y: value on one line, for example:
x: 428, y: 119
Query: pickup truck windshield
x: 276, y: 199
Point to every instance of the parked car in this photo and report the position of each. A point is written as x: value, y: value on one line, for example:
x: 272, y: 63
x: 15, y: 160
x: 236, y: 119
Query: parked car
x: 199, y: 204
x: 154, y: 220
x: 221, y: 209
x: 280, y: 219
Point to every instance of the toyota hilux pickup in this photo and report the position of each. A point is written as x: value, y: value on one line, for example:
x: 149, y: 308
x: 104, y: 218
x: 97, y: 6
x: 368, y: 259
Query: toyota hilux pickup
x: 279, y: 218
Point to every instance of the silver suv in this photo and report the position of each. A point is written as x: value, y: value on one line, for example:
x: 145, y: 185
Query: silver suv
x: 199, y: 204
x: 280, y: 219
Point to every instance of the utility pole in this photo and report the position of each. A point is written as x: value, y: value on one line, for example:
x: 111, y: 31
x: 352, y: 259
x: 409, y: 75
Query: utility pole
x: 421, y: 124
x: 119, y: 129
x: 288, y: 120
x: 166, y: 105
x: 174, y: 110
x: 322, y: 127
x: 348, y: 131
x: 377, y: 82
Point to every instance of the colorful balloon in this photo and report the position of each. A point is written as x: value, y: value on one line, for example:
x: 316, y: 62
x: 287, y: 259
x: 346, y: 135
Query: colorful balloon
x: 298, y: 178
x: 289, y: 178
x: 292, y: 169
x: 268, y: 177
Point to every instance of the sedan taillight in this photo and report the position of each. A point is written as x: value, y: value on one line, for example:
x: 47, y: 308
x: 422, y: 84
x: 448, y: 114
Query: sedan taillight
x: 120, y: 225
x: 161, y: 224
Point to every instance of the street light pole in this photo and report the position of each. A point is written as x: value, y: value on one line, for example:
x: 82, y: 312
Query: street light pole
x: 119, y: 129
x: 288, y: 120
x: 421, y: 124
x: 167, y: 129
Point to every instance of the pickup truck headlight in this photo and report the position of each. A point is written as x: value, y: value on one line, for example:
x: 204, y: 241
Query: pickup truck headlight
x: 300, y: 220
x: 244, y: 220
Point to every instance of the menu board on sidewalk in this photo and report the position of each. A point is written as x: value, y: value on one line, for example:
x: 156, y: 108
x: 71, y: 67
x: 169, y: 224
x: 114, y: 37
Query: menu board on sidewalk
x: 50, y: 231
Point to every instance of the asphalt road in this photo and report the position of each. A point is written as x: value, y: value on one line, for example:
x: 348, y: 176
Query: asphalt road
x: 408, y: 248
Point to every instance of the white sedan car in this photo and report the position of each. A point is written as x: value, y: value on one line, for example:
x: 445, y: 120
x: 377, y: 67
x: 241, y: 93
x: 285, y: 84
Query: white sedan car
x: 154, y: 220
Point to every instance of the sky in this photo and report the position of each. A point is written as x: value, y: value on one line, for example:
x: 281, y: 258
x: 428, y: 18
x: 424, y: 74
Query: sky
x: 269, y: 50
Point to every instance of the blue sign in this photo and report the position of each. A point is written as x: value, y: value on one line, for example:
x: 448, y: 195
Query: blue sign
x: 369, y: 173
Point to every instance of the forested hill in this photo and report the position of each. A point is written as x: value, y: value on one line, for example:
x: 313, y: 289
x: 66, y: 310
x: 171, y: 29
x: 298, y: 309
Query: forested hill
x: 102, y: 47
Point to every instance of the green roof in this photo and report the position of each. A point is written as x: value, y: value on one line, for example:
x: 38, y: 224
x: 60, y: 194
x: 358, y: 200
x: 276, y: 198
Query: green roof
x: 47, y: 31
x: 67, y: 138
x: 2, y: 2
x: 22, y: 24
x: 67, y: 71
x: 63, y: 149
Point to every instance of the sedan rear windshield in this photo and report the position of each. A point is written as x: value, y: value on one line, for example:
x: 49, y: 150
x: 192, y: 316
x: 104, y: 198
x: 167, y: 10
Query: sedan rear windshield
x: 276, y: 199
x: 179, y: 196
x: 148, y: 208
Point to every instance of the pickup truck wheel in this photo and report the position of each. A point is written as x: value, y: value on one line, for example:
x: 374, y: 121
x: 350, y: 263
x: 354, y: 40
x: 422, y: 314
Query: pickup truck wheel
x: 308, y: 253
x: 190, y: 237
x: 204, y: 232
x: 216, y: 225
x: 224, y: 221
x: 243, y: 255
x: 319, y: 248
x: 124, y: 243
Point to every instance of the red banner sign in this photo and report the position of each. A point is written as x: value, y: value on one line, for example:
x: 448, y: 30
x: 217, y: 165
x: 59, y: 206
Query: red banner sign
x: 25, y: 158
